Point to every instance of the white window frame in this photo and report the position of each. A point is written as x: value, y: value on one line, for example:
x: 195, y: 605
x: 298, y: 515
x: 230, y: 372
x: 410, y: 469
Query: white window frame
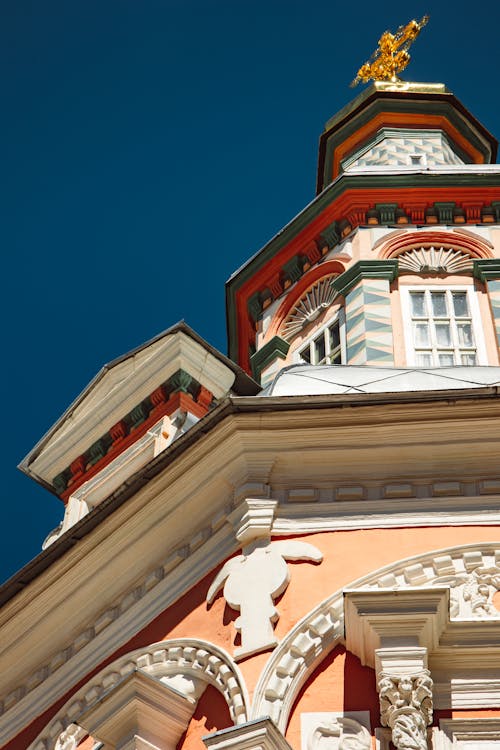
x: 309, y: 341
x: 475, y: 315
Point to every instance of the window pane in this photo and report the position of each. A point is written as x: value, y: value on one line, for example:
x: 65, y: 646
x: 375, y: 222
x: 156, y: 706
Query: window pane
x: 460, y: 304
x: 418, y: 304
x: 305, y: 355
x: 336, y: 358
x: 423, y: 359
x: 319, y: 349
x: 421, y: 331
x: 439, y: 304
x: 443, y: 335
x: 334, y: 336
x: 446, y: 359
x: 464, y: 334
x: 468, y: 358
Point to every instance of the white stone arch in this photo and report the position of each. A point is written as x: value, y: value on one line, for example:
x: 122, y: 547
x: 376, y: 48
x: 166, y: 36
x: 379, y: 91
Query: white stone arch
x: 317, y: 634
x: 192, y: 659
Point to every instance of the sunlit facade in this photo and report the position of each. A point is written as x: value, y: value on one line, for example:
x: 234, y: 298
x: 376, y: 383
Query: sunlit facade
x: 296, y: 545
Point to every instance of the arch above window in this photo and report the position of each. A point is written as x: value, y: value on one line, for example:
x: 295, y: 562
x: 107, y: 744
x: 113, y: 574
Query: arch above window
x: 302, y: 305
x: 435, y: 252
x: 309, y: 307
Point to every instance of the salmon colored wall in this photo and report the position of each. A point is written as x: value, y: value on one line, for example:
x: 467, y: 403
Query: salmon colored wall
x: 340, y: 683
x: 211, y: 714
x: 348, y: 555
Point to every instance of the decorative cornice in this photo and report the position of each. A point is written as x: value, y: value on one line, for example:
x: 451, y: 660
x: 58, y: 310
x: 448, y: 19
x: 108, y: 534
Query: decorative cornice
x: 365, y: 269
x: 260, y: 734
x: 365, y: 116
x: 487, y: 270
x: 179, y: 391
x: 275, y: 348
x: 406, y: 707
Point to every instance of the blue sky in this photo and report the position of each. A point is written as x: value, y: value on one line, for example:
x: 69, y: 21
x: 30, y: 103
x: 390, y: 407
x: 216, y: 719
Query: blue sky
x: 148, y: 148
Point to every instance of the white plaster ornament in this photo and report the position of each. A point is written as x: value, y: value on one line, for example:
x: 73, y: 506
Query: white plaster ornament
x: 339, y: 733
x: 252, y: 581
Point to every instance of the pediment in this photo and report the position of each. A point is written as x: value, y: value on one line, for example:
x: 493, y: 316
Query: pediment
x: 120, y: 387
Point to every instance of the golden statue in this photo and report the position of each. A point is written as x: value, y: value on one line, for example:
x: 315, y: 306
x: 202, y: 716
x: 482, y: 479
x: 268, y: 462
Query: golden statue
x: 391, y: 55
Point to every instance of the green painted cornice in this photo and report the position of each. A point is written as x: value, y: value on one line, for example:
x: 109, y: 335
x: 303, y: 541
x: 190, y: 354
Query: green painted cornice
x: 376, y: 102
x: 487, y: 270
x: 365, y: 269
x: 344, y: 182
x: 276, y: 347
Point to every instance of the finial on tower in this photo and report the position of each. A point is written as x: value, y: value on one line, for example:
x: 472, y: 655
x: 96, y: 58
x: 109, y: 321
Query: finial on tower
x: 391, y: 55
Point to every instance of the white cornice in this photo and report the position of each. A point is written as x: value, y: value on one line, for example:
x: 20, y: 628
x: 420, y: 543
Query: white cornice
x: 136, y: 377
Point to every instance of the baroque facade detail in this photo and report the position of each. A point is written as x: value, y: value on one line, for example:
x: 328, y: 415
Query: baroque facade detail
x: 434, y: 260
x: 339, y: 733
x: 317, y: 299
x: 252, y: 580
x: 181, y: 664
x: 406, y: 707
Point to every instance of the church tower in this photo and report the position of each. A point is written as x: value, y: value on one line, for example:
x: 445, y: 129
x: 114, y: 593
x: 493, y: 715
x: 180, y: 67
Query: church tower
x: 393, y: 263
x: 296, y: 546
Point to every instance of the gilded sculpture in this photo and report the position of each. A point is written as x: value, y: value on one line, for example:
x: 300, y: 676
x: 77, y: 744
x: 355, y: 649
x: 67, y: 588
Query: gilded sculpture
x: 391, y: 56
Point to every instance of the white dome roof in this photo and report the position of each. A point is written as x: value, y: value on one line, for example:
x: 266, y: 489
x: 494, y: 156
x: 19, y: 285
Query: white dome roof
x: 310, y: 380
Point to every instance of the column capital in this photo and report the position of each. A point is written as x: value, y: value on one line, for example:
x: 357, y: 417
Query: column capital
x: 405, y: 694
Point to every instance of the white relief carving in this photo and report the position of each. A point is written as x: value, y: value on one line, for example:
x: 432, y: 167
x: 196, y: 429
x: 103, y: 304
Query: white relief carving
x: 339, y: 733
x: 319, y: 297
x: 198, y: 662
x: 471, y: 594
x: 434, y: 260
x: 406, y: 707
x: 169, y: 571
x: 69, y: 739
x: 252, y: 580
x: 308, y: 643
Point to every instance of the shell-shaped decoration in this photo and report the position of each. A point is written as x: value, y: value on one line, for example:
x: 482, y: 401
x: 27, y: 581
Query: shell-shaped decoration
x: 317, y: 298
x: 434, y: 260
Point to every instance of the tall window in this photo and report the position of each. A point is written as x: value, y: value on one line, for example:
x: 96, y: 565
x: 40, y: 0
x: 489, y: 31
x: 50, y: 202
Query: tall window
x: 326, y: 346
x: 444, y: 327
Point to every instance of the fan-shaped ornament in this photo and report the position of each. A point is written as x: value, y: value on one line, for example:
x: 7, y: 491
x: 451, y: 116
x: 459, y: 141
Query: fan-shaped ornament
x: 434, y: 260
x: 317, y: 298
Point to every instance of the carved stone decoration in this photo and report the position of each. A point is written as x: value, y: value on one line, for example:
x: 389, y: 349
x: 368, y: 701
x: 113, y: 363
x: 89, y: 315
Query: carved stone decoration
x: 309, y: 307
x: 69, y: 739
x: 189, y: 661
x: 434, y: 260
x: 471, y: 593
x: 339, y: 733
x: 252, y: 580
x: 406, y: 707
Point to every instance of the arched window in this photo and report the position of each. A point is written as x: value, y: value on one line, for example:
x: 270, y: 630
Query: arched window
x: 326, y: 344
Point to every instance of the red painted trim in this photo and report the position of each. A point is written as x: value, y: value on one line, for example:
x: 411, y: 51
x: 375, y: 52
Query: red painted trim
x: 329, y: 268
x: 408, y: 120
x: 413, y: 200
x: 183, y: 401
x: 473, y: 247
